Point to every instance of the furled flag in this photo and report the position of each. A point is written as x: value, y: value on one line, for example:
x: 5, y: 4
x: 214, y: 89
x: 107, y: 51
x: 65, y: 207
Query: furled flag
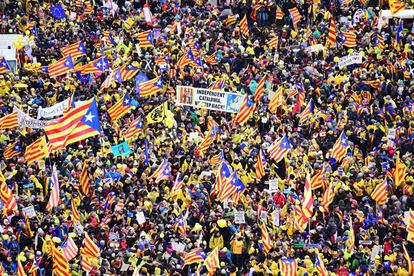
x: 327, y: 198
x: 12, y: 150
x: 162, y: 172
x: 295, y: 15
x: 20, y: 269
x: 195, y: 256
x: 36, y: 151
x: 61, y: 67
x: 260, y: 89
x: 89, y: 248
x: 145, y: 39
x: 399, y: 31
x: 244, y: 27
x: 399, y: 172
x: 278, y: 150
x: 339, y: 150
x: 150, y: 87
x: 348, y: 39
x: 69, y: 249
x: 229, y: 21
x: 212, y: 261
x: 180, y: 225
x: 9, y: 121
x: 84, y: 179
x: 54, y: 190
x: 75, y: 212
x: 396, y: 6
x: 75, y: 50
x: 58, y: 12
x: 266, y: 240
x: 279, y: 13
x: 78, y: 124
x: 272, y: 43
x: 307, y: 203
x: 119, y: 109
x: 380, y: 193
x: 350, y: 242
x: 260, y: 164
x: 4, y: 66
x: 223, y: 175
x: 331, y: 39
x: 245, y: 111
x: 99, y: 65
x: 216, y: 159
x: 125, y: 72
x: 134, y: 128
x: 319, y: 265
x: 288, y: 267
x: 410, y: 266
x: 307, y: 112
x: 276, y: 101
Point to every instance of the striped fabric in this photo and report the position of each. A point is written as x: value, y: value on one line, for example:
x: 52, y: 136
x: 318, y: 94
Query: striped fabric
x: 276, y: 101
x: 75, y: 50
x: 7, y: 197
x: 307, y: 203
x: 279, y: 149
x: 37, y: 150
x: 294, y: 13
x: 75, y: 213
x: 55, y: 190
x: 246, y: 110
x: 244, y: 27
x: 89, y: 248
x: 69, y: 249
x: 331, y: 40
x: 272, y: 43
x: 380, y: 193
x: 260, y: 89
x: 61, y: 67
x: 266, y: 239
x: 84, y: 180
x: 288, y: 267
x: 340, y: 148
x: 327, y: 198
x: 260, y: 164
x: 9, y: 121
x: 119, y: 109
x: 11, y: 151
x: 60, y: 264
x: 150, y: 87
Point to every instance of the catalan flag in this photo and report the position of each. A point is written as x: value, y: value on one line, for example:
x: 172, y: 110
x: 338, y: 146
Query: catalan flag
x: 212, y: 261
x: 134, y: 128
x: 327, y: 198
x: 410, y: 266
x: 87, y: 264
x: 205, y: 144
x: 75, y: 50
x: 217, y: 85
x: 11, y: 151
x: 162, y: 172
x: 60, y: 264
x: 180, y: 225
x: 320, y: 266
x: 84, y: 179
x: 279, y: 13
x: 307, y: 112
x: 36, y: 151
x: 307, y: 203
x: 216, y: 159
x: 230, y: 187
x: 410, y: 225
x: 195, y: 256
x: 69, y: 249
x: 75, y: 213
x: 99, y: 65
x: 125, y: 72
x: 108, y: 37
x: 340, y: 148
x: 6, y: 195
x: 89, y: 248
x: 396, y: 6
x: 54, y: 190
x: 61, y: 67
x: 266, y: 240
x: 110, y: 199
x: 186, y: 59
x: 350, y: 242
x: 229, y: 21
x: 211, y: 59
x: 109, y: 80
x: 178, y: 183
x: 119, y: 109
x: 244, y: 28
x: 20, y: 269
x: 260, y: 164
x: 400, y: 172
x: 278, y: 150
x: 4, y: 66
x: 331, y: 39
x: 317, y: 180
x: 9, y: 121
x: 245, y: 111
x: 145, y: 39
x: 349, y: 39
x: 379, y: 42
x: 223, y: 175
x: 295, y: 15
x: 288, y: 267
x: 380, y: 193
x: 88, y: 7
x: 78, y: 124
x: 260, y: 89
x: 151, y: 87
x: 276, y: 101
x: 272, y: 43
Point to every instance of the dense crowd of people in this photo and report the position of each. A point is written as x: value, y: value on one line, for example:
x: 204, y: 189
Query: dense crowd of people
x: 148, y: 227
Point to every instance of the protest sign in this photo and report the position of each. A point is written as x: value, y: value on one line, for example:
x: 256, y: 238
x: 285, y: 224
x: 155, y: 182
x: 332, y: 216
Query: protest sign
x: 29, y: 212
x: 239, y: 217
x: 349, y: 60
x: 273, y: 185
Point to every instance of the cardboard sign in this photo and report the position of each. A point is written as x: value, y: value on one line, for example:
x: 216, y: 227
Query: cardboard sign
x: 263, y: 216
x: 29, y: 211
x: 239, y: 217
x: 273, y: 185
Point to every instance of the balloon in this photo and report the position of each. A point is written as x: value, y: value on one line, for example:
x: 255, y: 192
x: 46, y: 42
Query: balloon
x: 336, y: 59
x: 362, y: 54
x: 221, y: 223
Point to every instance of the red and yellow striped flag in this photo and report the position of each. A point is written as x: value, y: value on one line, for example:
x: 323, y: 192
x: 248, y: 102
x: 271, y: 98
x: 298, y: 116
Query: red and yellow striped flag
x: 327, y: 199
x: 75, y: 213
x: 266, y: 239
x: 212, y: 261
x: 244, y: 27
x: 20, y: 268
x: 229, y: 21
x: 410, y: 266
x: 60, y: 264
x: 272, y: 43
x: 260, y: 89
x: 396, y: 6
x: 9, y: 121
x: 331, y: 39
x: 317, y: 180
x: 84, y: 180
x: 276, y: 101
x: 89, y: 248
x: 350, y: 242
x: 380, y: 193
x: 37, y: 150
x: 400, y: 172
x: 279, y: 13
x: 7, y: 197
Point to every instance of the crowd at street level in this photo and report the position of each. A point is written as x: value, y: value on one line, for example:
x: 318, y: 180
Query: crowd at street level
x: 343, y: 166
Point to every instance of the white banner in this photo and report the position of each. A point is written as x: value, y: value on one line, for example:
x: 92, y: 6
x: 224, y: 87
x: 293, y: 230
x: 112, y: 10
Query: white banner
x: 54, y: 110
x: 349, y: 60
x: 25, y: 120
x: 208, y: 99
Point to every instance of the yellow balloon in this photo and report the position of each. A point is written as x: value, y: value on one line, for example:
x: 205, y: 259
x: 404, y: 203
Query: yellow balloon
x: 221, y: 223
x: 336, y: 59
